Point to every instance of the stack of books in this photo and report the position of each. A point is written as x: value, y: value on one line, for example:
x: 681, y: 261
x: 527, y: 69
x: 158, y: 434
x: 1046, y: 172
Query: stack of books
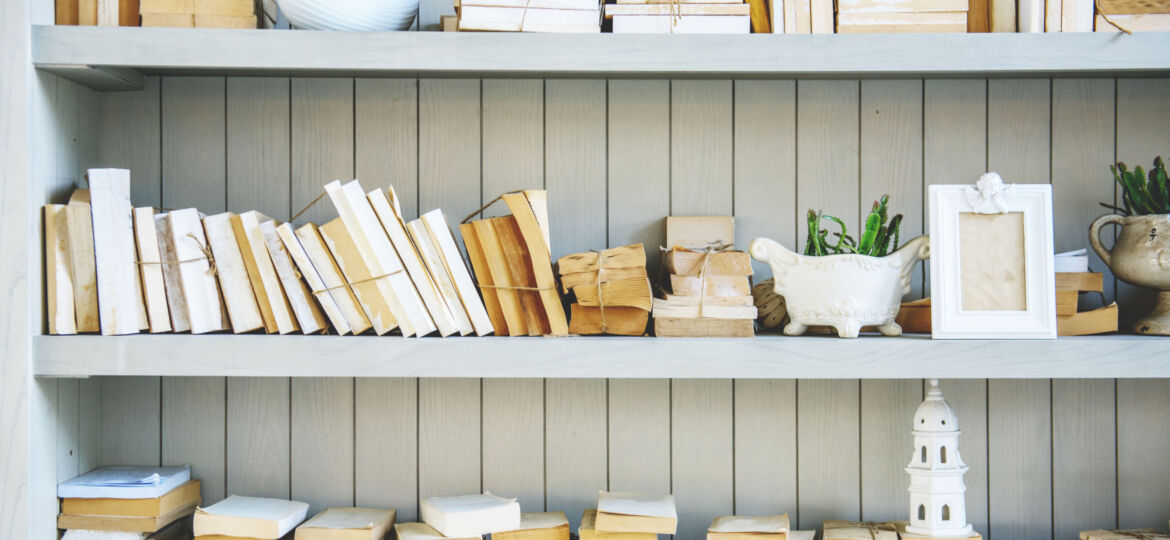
x: 902, y: 16
x: 683, y: 17
x: 512, y: 262
x: 710, y: 283
x: 347, y: 524
x: 749, y: 528
x: 240, y: 518
x: 611, y: 289
x: 182, y: 271
x: 141, y: 502
x: 642, y: 515
x: 199, y: 13
x: 538, y: 526
x: 556, y: 16
x: 470, y: 516
x: 1133, y: 15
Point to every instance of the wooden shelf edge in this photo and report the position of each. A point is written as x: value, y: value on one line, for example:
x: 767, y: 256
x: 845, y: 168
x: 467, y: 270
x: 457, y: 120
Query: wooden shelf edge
x: 764, y: 357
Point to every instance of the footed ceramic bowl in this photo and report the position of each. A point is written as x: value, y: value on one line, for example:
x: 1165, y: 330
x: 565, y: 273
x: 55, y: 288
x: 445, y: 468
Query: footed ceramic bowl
x: 845, y: 292
x: 350, y: 15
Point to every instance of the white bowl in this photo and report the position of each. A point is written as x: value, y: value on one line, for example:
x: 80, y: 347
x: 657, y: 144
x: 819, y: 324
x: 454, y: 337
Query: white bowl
x: 350, y: 15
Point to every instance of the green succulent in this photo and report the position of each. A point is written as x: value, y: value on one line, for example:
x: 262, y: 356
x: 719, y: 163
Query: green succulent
x: 1142, y: 193
x: 880, y: 236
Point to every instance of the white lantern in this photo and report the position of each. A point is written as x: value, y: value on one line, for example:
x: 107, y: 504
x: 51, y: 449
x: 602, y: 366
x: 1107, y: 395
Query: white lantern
x: 937, y: 493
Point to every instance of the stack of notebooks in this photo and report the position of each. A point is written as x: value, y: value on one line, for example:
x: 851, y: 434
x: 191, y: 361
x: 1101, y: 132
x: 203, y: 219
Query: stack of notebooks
x: 244, y: 518
x: 902, y: 16
x: 1133, y: 15
x: 121, y: 270
x: 611, y: 289
x: 557, y: 16
x: 133, y: 502
x: 512, y: 263
x: 710, y: 286
x: 683, y: 17
x: 466, y: 516
x: 347, y: 524
x: 199, y: 13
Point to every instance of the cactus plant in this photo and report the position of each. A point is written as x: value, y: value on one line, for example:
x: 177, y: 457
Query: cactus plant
x: 1142, y: 193
x: 879, y: 237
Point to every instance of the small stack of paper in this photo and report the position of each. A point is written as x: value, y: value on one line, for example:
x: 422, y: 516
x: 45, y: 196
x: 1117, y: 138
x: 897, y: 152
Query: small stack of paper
x: 140, y: 500
x: 558, y: 16
x: 635, y: 513
x: 422, y: 531
x: 470, y: 515
x: 588, y: 530
x: 684, y: 17
x: 538, y: 526
x: 249, y: 517
x: 347, y: 524
x: 749, y: 528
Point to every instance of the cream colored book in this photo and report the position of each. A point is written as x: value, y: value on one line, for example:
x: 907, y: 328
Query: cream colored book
x: 690, y: 310
x: 699, y: 232
x: 379, y: 256
x: 636, y: 512
x: 686, y: 24
x: 715, y: 285
x: 79, y: 222
x: 900, y: 6
x: 172, y: 281
x: 821, y: 12
x: 390, y: 214
x: 1030, y: 16
x: 304, y: 307
x: 422, y: 531
x: 682, y: 9
x: 749, y: 528
x: 150, y: 270
x: 317, y: 288
x: 588, y: 530
x: 1076, y: 15
x: 336, y: 236
x: 250, y: 517
x: 519, y: 19
x: 114, y: 252
x: 347, y: 524
x: 240, y: 299
x: 538, y: 526
x: 58, y: 272
x: 470, y: 515
x: 886, y: 23
x: 275, y: 309
x: 1147, y: 22
x: 198, y: 280
x: 224, y: 7
x: 450, y: 260
x: 332, y: 278
x: 1052, y: 15
x: 143, y: 524
x: 534, y: 4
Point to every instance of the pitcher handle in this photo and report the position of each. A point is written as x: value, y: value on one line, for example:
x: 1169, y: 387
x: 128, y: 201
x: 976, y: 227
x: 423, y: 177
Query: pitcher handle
x: 1095, y: 235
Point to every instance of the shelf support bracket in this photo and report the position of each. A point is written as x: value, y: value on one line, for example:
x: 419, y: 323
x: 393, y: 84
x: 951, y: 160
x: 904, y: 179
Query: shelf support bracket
x: 100, y: 78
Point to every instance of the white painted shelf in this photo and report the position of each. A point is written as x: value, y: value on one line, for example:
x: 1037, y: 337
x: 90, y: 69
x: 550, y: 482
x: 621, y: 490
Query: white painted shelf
x: 116, y: 58
x: 613, y: 357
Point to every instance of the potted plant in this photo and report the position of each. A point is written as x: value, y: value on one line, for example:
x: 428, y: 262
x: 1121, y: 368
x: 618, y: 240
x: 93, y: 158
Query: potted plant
x: 843, y: 282
x: 1141, y: 254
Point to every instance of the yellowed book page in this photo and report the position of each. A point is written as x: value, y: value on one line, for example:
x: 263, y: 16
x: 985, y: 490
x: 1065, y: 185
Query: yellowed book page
x: 331, y: 277
x: 79, y: 223
x: 180, y: 497
x: 58, y: 275
x: 1153, y: 22
x: 347, y: 524
x: 750, y: 524
x: 150, y: 269
x: 337, y: 238
x: 186, y: 7
x: 683, y: 9
x: 483, y: 276
x: 317, y: 290
x: 526, y: 219
x: 435, y: 268
x: 493, y: 251
x: 173, y: 283
x: 121, y: 523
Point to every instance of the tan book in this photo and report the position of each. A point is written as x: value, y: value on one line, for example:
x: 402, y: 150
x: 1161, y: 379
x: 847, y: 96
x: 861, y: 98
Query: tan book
x: 224, y: 7
x: 172, y: 281
x: 749, y: 528
x: 168, y: 20
x: 519, y: 266
x: 317, y: 290
x: 1098, y: 321
x: 631, y: 256
x: 848, y: 530
x: 226, y: 21
x: 1066, y: 302
x: 275, y: 309
x: 79, y: 223
x: 900, y: 6
x: 673, y: 308
x: 821, y: 12
x: 588, y: 530
x: 186, y: 7
x: 712, y: 300
x: 685, y: 262
x: 1003, y: 15
x: 195, y: 274
x: 715, y: 286
x: 452, y: 259
x: 390, y: 214
x: 87, y: 12
x: 347, y: 524
x: 150, y: 270
x: 238, y: 295
x: 531, y: 212
x: 422, y: 531
x: 181, y: 497
x: 250, y: 517
x: 699, y: 232
x: 703, y: 327
x: 979, y: 16
x: 479, y: 265
x: 449, y: 23
x: 375, y: 249
x: 147, y: 524
x: 334, y: 281
x: 358, y: 275
x: 884, y: 23
x: 538, y: 526
x: 576, y: 279
x: 632, y: 292
x: 66, y: 13
x: 1080, y: 281
x: 686, y: 24
x: 511, y: 305
x: 682, y: 9
x: 58, y: 272
x: 115, y: 256
x: 309, y: 318
x: 636, y: 512
x: 442, y: 279
x: 620, y: 321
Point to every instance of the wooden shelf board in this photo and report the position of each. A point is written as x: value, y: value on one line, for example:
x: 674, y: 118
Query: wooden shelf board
x: 76, y: 51
x: 612, y: 357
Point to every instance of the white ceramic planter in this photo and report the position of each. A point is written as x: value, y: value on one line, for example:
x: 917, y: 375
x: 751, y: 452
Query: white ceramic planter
x: 845, y: 292
x: 350, y: 15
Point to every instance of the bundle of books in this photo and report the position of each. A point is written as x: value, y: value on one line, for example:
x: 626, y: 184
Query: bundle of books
x: 710, y: 286
x: 1132, y: 15
x: 469, y: 516
x: 97, y: 12
x: 129, y: 502
x: 347, y: 524
x: 1123, y: 534
x: 749, y: 528
x: 181, y: 271
x: 199, y: 13
x: 557, y: 16
x: 510, y: 256
x: 683, y: 17
x: 611, y: 289
x: 902, y: 16
x: 857, y: 530
x: 629, y: 516
x: 239, y: 518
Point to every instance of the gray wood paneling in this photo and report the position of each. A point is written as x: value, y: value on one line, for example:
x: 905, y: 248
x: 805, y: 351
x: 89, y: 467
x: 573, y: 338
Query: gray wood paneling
x: 449, y: 147
x: 1019, y: 459
x: 702, y: 469
x: 321, y: 464
x: 194, y: 148
x: 968, y: 398
x: 322, y: 143
x: 131, y: 426
x: 639, y: 417
x: 574, y: 161
x: 576, y: 457
x: 513, y: 139
x: 386, y: 137
x: 1084, y: 444
x: 1018, y: 129
x: 513, y: 440
x: 258, y: 140
x: 701, y: 148
x: 765, y: 448
x: 828, y: 438
x: 386, y: 445
x: 827, y: 151
x: 887, y: 413
x: 639, y: 165
x: 449, y: 427
x: 765, y: 165
x: 193, y: 417
x: 258, y: 446
x: 1143, y: 453
x: 130, y: 139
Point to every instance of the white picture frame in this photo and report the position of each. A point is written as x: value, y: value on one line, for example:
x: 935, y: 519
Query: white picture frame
x: 991, y: 196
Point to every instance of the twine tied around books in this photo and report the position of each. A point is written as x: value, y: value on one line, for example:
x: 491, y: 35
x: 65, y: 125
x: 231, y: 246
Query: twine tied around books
x: 491, y: 202
x: 600, y: 299
x: 874, y: 527
x: 1140, y: 534
x: 675, y: 14
x: 1107, y: 19
x: 308, y: 206
x: 207, y: 256
x: 351, y: 283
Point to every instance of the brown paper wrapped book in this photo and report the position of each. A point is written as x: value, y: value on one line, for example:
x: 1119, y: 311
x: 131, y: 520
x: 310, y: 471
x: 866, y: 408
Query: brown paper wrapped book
x: 749, y: 528
x: 612, y: 290
x: 709, y: 281
x: 860, y: 530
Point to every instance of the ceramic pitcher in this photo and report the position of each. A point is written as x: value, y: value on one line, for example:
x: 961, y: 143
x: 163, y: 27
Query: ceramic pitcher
x: 1140, y: 256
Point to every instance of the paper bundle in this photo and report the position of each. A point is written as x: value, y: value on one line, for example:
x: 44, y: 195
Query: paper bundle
x: 860, y: 530
x: 129, y: 500
x: 749, y: 528
x: 611, y: 288
x: 710, y: 282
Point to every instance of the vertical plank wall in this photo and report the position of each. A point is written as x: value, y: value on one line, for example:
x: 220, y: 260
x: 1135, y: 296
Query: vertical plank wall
x: 1047, y: 458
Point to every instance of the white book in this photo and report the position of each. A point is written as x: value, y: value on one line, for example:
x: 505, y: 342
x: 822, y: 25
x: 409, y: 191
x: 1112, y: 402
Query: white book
x: 900, y: 6
x: 534, y: 4
x: 434, y: 262
x: 1030, y: 16
x: 204, y: 309
x: 1077, y: 16
x: 58, y: 272
x: 470, y: 515
x: 150, y: 269
x: 274, y: 305
x: 119, y: 297
x: 243, y: 309
x: 172, y: 282
x: 330, y: 273
x: 687, y: 24
x: 519, y: 19
x: 636, y: 504
x: 308, y: 315
x: 1052, y: 15
x: 124, y: 482
x: 317, y: 288
x: 391, y: 217
x: 452, y: 258
x: 250, y: 517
